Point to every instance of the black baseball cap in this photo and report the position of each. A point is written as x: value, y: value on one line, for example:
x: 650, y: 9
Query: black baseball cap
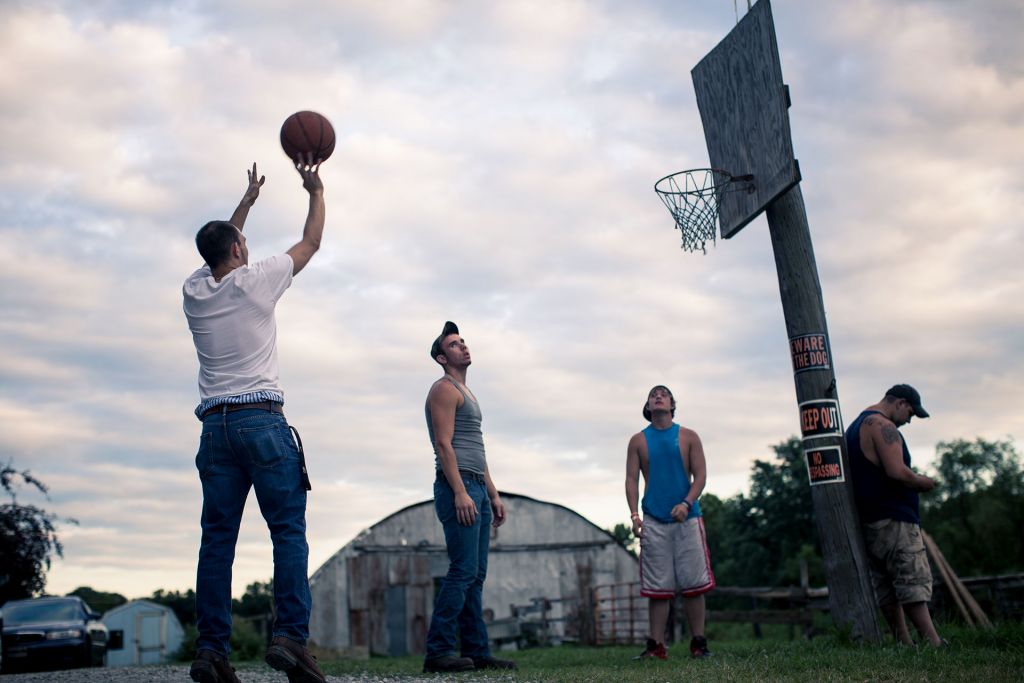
x: 647, y: 413
x: 449, y: 328
x: 910, y: 395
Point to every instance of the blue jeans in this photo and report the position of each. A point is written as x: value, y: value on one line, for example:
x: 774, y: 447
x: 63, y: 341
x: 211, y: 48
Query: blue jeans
x: 239, y: 450
x: 458, y: 607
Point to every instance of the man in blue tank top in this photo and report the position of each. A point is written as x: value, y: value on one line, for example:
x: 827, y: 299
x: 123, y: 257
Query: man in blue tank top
x: 885, y: 490
x: 674, y: 555
x: 467, y: 503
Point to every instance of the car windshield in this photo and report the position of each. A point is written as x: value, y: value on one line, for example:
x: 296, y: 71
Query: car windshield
x: 38, y: 612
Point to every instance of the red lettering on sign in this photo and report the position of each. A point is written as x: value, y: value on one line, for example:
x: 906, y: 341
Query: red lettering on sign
x: 828, y: 471
x: 809, y: 352
x: 809, y: 420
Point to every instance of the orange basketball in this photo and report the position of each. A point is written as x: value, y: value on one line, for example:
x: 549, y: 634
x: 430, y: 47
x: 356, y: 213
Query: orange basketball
x: 307, y: 131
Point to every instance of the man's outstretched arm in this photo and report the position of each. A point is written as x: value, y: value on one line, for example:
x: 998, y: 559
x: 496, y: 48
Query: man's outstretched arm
x: 248, y: 199
x: 313, y: 230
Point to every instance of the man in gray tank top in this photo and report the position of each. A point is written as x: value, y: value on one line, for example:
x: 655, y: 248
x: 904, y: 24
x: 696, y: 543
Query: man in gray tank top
x: 467, y: 503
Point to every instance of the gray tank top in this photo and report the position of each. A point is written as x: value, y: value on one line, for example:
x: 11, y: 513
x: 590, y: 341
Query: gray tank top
x: 467, y: 439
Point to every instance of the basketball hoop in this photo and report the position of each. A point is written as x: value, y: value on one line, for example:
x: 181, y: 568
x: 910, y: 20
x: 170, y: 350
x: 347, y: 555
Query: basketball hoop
x: 692, y: 199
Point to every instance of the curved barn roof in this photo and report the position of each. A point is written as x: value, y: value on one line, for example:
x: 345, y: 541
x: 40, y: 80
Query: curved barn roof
x: 531, y: 525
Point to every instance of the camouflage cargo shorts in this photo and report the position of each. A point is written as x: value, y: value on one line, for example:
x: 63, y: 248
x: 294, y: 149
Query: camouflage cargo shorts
x: 899, y: 563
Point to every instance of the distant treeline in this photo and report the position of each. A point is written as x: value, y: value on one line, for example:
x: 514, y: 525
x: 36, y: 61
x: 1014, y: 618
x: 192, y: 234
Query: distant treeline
x: 256, y: 602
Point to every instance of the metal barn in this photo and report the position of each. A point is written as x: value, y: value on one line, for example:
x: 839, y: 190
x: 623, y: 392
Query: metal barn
x: 152, y: 633
x: 376, y: 594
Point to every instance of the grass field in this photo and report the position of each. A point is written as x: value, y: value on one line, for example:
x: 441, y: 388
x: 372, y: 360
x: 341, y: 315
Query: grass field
x: 990, y: 657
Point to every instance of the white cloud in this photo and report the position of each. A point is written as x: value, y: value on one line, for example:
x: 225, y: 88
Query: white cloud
x: 494, y: 166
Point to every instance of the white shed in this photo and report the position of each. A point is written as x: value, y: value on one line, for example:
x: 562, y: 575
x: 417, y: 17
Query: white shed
x: 152, y: 633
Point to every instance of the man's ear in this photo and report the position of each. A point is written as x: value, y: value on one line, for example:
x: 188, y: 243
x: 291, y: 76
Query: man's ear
x: 442, y: 359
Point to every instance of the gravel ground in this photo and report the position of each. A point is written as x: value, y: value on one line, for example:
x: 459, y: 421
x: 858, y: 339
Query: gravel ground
x: 251, y: 673
x: 179, y: 674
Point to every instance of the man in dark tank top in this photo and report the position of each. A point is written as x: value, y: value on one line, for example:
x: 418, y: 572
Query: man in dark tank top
x: 467, y: 504
x: 886, y: 492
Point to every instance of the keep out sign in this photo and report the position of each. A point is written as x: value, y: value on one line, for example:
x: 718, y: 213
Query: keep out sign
x: 824, y: 465
x: 820, y: 418
x: 809, y: 352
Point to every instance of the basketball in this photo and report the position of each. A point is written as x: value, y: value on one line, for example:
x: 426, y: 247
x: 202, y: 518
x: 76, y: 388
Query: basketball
x: 307, y: 131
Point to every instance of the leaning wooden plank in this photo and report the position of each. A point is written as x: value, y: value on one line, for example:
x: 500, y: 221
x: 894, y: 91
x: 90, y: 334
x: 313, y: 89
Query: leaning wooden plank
x: 972, y: 604
x: 937, y: 560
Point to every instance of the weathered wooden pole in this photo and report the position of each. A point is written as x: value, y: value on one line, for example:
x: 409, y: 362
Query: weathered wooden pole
x: 744, y: 107
x: 850, y: 595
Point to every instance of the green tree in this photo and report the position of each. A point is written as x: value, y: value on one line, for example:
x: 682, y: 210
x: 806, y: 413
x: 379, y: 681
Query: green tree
x: 782, y: 508
x: 98, y: 600
x: 759, y: 538
x: 28, y: 538
x: 623, y: 535
x: 257, y: 601
x: 183, y: 603
x: 976, y: 512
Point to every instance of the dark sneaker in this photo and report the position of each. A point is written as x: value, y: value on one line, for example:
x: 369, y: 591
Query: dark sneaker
x: 210, y: 667
x: 285, y: 654
x: 447, y: 664
x: 489, y: 662
x: 653, y: 651
x: 699, y: 647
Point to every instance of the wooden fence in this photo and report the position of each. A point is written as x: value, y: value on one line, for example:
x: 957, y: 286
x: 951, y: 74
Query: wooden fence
x: 620, y: 613
x: 1001, y: 597
x: 616, y: 614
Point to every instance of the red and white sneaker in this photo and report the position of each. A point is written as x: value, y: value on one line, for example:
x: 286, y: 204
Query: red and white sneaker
x: 653, y: 651
x: 699, y: 647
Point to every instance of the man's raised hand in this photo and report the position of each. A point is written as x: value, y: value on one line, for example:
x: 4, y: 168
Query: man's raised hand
x: 310, y: 172
x: 253, y: 191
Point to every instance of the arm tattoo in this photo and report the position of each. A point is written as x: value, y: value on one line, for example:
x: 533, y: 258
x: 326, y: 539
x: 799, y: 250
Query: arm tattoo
x: 890, y: 434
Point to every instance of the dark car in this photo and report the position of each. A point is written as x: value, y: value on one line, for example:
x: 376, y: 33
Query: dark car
x: 51, y: 633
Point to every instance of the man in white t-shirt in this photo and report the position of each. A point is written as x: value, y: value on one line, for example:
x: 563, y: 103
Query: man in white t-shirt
x: 246, y: 441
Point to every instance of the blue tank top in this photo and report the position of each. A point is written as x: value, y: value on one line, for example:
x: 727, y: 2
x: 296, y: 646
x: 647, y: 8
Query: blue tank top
x: 467, y: 438
x: 667, y: 482
x: 877, y: 495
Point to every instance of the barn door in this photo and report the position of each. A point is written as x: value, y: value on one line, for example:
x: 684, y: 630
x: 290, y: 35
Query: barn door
x: 394, y: 605
x: 150, y: 637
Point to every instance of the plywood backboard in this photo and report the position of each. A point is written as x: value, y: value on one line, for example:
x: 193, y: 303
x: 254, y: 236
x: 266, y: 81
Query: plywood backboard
x: 744, y: 108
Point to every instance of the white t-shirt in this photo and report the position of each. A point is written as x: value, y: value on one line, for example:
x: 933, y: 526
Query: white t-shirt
x: 233, y: 326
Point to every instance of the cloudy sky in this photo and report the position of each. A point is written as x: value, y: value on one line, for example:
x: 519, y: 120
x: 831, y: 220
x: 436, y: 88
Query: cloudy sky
x: 494, y: 166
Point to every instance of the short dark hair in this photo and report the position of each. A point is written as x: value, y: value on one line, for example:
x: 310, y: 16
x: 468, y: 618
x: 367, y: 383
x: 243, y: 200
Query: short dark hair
x: 436, y: 349
x: 214, y: 241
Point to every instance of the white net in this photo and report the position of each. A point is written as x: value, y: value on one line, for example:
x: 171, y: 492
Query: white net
x: 692, y: 199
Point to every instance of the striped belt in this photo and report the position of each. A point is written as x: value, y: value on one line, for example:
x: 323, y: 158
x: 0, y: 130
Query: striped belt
x: 270, y: 406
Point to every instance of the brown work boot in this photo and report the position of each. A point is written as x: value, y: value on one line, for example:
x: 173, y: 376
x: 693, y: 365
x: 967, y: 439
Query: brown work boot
x: 211, y: 667
x: 489, y: 662
x: 284, y: 654
x: 447, y: 664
